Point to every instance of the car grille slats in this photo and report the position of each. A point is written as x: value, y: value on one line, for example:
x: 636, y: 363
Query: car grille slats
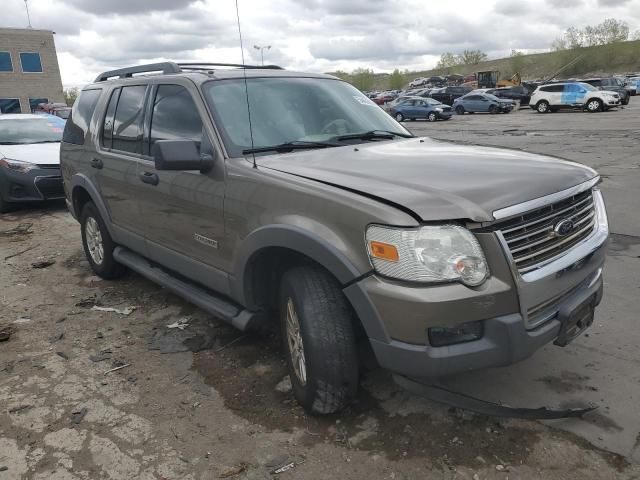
x: 531, y: 237
x: 50, y: 187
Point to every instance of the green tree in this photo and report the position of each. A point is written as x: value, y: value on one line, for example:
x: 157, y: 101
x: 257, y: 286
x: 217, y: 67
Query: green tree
x: 70, y: 95
x: 636, y: 35
x: 396, y: 80
x: 607, y: 32
x: 362, y: 79
x: 341, y: 75
x: 447, y: 60
x: 472, y: 57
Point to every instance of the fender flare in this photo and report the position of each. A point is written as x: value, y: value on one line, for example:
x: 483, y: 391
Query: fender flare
x: 305, y: 242
x: 82, y: 181
x: 296, y: 239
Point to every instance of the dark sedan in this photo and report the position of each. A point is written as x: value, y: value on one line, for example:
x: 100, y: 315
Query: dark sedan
x: 417, y: 107
x: 482, y: 102
x: 519, y: 93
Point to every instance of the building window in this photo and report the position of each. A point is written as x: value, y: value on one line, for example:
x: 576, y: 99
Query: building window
x: 31, y: 62
x: 9, y: 105
x: 5, y: 62
x: 34, y: 102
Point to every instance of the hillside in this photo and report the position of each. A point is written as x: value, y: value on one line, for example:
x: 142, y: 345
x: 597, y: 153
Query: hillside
x: 614, y: 58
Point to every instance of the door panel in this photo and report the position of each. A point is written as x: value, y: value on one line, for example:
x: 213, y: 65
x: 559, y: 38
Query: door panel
x: 183, y: 212
x: 116, y: 170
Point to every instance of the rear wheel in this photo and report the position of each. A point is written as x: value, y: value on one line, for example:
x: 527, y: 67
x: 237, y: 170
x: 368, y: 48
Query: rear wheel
x: 4, y: 206
x: 594, y: 105
x: 399, y: 117
x: 98, y: 244
x: 460, y: 110
x: 542, y: 106
x: 625, y: 101
x: 319, y: 340
x: 432, y: 117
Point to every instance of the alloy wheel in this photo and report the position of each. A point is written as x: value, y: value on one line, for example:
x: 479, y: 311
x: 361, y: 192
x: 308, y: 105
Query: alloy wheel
x: 296, y: 346
x: 94, y: 240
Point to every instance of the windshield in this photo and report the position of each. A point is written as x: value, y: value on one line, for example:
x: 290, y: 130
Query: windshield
x: 292, y: 110
x: 491, y: 97
x: 431, y: 101
x: 30, y: 130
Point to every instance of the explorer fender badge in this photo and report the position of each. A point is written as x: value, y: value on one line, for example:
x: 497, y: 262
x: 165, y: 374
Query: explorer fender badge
x: 209, y: 242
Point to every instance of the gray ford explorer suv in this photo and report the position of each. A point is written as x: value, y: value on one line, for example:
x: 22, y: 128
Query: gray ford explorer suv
x: 262, y: 194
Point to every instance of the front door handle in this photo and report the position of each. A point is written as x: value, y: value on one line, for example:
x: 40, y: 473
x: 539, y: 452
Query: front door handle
x: 150, y: 178
x: 97, y: 163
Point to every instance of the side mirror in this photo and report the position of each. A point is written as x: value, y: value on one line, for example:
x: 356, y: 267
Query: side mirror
x: 180, y: 155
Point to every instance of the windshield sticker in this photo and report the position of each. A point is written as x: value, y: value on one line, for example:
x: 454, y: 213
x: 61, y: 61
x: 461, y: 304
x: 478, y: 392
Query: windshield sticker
x: 364, y: 101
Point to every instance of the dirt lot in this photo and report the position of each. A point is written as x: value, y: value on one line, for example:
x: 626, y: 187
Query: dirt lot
x: 207, y: 402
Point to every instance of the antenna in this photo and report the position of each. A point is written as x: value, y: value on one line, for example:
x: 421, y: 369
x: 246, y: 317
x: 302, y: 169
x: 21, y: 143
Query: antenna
x: 246, y: 88
x: 26, y: 5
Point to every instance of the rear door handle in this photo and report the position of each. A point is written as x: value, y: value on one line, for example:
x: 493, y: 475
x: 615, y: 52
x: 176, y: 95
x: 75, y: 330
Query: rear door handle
x: 97, y: 163
x: 150, y: 178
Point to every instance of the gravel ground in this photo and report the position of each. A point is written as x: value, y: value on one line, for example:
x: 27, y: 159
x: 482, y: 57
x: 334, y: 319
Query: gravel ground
x: 208, y: 402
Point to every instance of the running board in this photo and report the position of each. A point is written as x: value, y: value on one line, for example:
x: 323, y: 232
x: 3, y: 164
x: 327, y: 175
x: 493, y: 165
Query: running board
x: 217, y: 306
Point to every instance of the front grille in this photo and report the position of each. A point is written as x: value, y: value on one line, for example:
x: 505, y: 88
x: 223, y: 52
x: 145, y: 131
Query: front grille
x: 531, y: 238
x: 50, y: 187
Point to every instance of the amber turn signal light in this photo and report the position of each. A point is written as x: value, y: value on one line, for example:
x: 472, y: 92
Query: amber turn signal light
x: 384, y: 251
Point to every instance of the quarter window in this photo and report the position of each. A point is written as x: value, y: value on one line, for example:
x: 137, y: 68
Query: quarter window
x: 78, y: 121
x: 175, y: 116
x: 5, y: 62
x: 31, y: 62
x: 127, y: 124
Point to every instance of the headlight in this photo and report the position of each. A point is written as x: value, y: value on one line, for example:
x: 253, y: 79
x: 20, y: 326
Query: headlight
x: 17, y: 165
x: 444, y: 253
x: 439, y: 110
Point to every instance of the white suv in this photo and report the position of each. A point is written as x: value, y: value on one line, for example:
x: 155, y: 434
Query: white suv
x: 552, y: 97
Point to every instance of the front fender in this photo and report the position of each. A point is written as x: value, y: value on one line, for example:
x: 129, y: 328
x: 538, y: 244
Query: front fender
x: 296, y: 239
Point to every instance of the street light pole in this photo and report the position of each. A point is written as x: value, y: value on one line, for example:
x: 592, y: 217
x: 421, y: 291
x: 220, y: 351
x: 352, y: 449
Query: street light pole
x: 262, y: 49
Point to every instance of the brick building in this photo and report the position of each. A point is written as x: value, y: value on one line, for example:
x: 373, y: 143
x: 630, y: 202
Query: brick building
x: 29, y: 72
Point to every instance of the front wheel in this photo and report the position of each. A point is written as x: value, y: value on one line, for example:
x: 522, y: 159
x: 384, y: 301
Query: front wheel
x: 542, y: 106
x: 399, y: 117
x: 460, y: 110
x: 432, y: 117
x: 594, y: 105
x: 98, y: 244
x: 493, y: 109
x: 319, y: 341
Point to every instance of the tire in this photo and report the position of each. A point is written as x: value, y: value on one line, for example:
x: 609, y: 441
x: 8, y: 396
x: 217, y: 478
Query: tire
x: 542, y: 106
x: 5, y: 207
x: 98, y: 244
x: 626, y: 100
x: 432, y: 117
x: 594, y: 105
x: 399, y: 117
x: 327, y: 379
x: 493, y: 109
x: 459, y: 110
x: 554, y: 109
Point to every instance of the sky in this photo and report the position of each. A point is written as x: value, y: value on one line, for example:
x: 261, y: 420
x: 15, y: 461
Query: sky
x: 310, y: 35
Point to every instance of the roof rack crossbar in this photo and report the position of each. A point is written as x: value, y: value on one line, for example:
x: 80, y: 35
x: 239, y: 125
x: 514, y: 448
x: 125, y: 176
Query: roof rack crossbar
x: 237, y: 65
x: 164, y: 67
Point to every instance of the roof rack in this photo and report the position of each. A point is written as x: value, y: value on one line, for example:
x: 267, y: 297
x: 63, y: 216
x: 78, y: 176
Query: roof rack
x: 171, y: 67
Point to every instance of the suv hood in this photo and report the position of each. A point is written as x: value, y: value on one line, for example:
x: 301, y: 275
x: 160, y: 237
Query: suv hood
x: 36, y: 153
x: 435, y: 180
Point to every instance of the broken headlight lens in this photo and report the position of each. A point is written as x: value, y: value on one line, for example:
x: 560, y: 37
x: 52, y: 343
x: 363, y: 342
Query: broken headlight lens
x: 17, y: 165
x: 442, y: 253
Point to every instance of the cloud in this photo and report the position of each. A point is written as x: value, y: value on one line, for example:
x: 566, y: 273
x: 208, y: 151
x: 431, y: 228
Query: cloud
x: 309, y: 35
x: 128, y: 7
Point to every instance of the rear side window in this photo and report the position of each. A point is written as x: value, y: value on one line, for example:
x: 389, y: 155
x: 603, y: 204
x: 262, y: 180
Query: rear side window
x: 127, y: 123
x: 78, y: 121
x: 107, y: 126
x: 175, y: 116
x: 553, y: 88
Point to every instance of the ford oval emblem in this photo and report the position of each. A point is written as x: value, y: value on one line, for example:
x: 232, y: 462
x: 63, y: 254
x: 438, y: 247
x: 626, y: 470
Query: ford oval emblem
x: 563, y: 228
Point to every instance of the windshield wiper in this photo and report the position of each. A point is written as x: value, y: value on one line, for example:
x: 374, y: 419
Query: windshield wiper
x: 372, y: 134
x: 288, y: 146
x: 10, y: 143
x: 45, y: 141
